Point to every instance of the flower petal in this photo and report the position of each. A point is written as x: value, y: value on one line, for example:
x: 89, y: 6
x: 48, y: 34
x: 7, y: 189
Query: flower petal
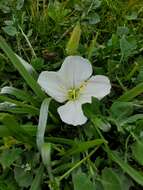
x: 71, y: 113
x: 97, y: 86
x: 75, y: 70
x: 53, y: 85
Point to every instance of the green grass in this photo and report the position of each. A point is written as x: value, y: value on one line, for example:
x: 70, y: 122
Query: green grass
x: 37, y: 150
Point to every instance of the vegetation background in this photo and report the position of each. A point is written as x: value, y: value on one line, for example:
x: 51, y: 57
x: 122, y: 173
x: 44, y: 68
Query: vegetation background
x: 107, y: 152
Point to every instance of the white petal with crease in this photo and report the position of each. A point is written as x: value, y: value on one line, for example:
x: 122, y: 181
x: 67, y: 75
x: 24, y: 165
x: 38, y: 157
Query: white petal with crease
x: 97, y: 86
x: 53, y: 85
x: 74, y: 70
x: 71, y: 113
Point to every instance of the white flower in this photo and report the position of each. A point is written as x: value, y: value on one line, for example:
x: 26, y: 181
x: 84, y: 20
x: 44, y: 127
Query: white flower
x: 72, y: 84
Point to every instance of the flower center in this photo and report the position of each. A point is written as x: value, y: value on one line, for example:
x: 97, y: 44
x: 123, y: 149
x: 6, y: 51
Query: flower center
x: 73, y: 94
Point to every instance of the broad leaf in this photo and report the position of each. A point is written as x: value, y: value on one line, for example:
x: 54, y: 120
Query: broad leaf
x: 137, y: 150
x: 23, y: 178
x: 82, y: 181
x: 113, y: 180
x: 8, y: 156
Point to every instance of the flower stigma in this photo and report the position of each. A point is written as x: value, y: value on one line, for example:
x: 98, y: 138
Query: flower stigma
x: 74, y: 93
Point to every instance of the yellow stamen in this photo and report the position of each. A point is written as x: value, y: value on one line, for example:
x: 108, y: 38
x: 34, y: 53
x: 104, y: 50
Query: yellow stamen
x: 73, y: 94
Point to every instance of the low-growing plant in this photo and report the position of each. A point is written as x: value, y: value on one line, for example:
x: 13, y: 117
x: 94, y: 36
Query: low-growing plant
x: 92, y: 141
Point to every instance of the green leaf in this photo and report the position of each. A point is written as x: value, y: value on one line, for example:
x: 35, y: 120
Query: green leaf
x: 101, y: 124
x: 92, y: 46
x: 73, y: 42
x: 28, y: 67
x: 61, y: 140
x: 20, y: 4
x: 19, y: 94
x: 111, y: 180
x: 38, y: 178
x: 84, y: 146
x: 90, y: 110
x: 16, y: 130
x: 10, y: 30
x: 46, y: 154
x: 12, y: 108
x: 8, y: 156
x: 8, y: 183
x: 29, y: 128
x: 22, y: 70
x: 132, y: 119
x: 4, y: 132
x: 137, y: 150
x: 134, y: 174
x: 122, y: 30
x: 132, y: 16
x: 127, y: 47
x: 94, y: 19
x: 23, y: 108
x: 140, y: 74
x: 42, y: 122
x: 121, y: 110
x: 22, y: 177
x: 82, y: 181
x: 131, y: 94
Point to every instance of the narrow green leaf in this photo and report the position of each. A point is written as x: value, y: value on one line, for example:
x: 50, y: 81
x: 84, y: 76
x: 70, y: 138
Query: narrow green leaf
x: 30, y: 129
x: 17, y: 104
x: 19, y: 94
x: 73, y: 42
x: 46, y: 154
x: 137, y: 176
x: 19, y: 110
x: 61, y: 141
x: 38, y: 178
x: 15, y: 129
x: 42, y: 122
x: 92, y: 46
x: 101, y: 124
x: 22, y: 70
x: 83, y: 146
x: 132, y: 119
x: 28, y: 67
x: 131, y: 94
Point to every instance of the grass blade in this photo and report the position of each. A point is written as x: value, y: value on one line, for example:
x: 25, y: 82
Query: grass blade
x: 25, y: 108
x: 28, y: 67
x: 42, y: 122
x: 131, y: 94
x: 84, y: 146
x: 19, y: 94
x: 127, y: 168
x: 15, y: 129
x: 22, y: 70
x: 38, y: 178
